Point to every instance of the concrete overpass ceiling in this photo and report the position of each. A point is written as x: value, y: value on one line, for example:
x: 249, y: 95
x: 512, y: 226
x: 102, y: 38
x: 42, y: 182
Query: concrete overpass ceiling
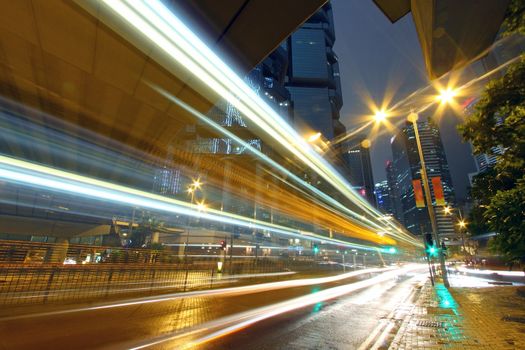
x: 393, y: 9
x: 64, y: 62
x: 451, y: 33
x: 60, y: 61
x: 246, y: 31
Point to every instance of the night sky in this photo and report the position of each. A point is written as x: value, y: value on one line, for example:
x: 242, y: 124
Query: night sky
x: 374, y: 56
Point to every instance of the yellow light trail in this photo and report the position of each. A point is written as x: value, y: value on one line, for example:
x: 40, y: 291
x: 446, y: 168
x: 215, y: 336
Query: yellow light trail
x: 158, y: 24
x: 27, y: 173
x: 343, y: 210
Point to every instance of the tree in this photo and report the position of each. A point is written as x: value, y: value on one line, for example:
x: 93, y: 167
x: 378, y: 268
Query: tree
x: 506, y: 215
x: 514, y: 22
x: 499, y: 121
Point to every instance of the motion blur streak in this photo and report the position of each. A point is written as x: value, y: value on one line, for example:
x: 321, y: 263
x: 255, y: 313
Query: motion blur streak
x: 410, y: 102
x: 233, y: 323
x: 256, y: 288
x: 282, y: 169
x: 36, y: 175
x: 492, y: 272
x: 158, y: 24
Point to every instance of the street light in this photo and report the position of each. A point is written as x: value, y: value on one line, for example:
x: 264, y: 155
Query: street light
x: 197, y: 184
x: 413, y: 117
x: 201, y: 206
x: 447, y: 95
x: 380, y: 116
x: 462, y: 225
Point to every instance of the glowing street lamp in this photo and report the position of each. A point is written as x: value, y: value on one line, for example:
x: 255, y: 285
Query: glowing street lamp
x: 447, y: 95
x: 380, y: 116
x: 201, y: 206
x: 197, y: 184
x: 447, y: 210
x: 462, y: 224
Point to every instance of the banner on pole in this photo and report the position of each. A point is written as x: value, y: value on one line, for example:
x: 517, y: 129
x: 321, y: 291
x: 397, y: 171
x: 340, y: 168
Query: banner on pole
x: 418, y: 194
x: 438, y: 191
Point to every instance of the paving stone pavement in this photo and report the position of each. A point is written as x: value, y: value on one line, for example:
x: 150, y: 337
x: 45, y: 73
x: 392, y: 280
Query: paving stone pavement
x: 463, y: 318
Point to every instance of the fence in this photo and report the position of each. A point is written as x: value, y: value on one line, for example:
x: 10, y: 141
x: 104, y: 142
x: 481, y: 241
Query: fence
x: 30, y: 272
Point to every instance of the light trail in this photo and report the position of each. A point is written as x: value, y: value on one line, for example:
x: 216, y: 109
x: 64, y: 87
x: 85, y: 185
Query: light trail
x: 423, y: 98
x: 376, y: 338
x: 472, y: 82
x: 154, y: 21
x: 233, y: 323
x: 223, y: 292
x: 351, y: 133
x: 407, y: 102
x: 354, y: 216
x: 45, y: 177
x: 127, y: 287
x: 492, y: 272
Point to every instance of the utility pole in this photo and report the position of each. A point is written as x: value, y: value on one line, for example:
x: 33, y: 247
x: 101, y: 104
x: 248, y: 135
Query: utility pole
x: 231, y: 253
x: 413, y: 117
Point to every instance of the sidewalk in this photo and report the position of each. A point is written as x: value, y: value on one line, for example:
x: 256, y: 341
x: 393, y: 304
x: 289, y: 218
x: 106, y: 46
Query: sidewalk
x: 463, y: 318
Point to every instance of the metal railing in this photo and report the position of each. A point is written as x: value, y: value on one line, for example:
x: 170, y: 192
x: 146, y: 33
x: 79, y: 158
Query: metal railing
x: 43, y: 273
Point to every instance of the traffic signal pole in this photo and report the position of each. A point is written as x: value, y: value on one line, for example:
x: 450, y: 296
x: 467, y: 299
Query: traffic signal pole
x: 413, y: 119
x: 430, y: 270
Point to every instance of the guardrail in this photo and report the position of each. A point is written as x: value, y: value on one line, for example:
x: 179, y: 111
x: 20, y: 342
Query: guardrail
x: 30, y: 273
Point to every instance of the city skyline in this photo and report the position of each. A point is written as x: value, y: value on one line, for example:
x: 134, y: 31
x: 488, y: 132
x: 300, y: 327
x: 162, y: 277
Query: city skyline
x: 261, y: 174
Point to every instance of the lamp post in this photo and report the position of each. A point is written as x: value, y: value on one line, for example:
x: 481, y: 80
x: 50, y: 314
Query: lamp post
x: 413, y: 117
x: 462, y: 225
x: 195, y: 185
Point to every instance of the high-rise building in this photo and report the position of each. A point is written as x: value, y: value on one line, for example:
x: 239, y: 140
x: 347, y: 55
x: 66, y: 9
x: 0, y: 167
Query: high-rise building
x: 313, y: 76
x: 393, y: 187
x: 407, y: 167
x: 383, y: 198
x: 167, y: 181
x: 357, y: 158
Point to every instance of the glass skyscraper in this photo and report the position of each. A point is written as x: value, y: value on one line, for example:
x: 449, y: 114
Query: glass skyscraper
x: 357, y: 158
x: 313, y: 76
x: 407, y: 167
x: 383, y: 197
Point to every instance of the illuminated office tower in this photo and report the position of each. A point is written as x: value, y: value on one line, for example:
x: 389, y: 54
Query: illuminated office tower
x: 357, y: 157
x: 407, y: 167
x: 313, y: 76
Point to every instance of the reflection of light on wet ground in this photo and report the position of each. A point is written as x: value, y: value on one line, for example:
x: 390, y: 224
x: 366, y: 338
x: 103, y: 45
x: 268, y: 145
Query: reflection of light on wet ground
x: 221, y: 292
x: 462, y: 280
x: 230, y: 324
x: 492, y: 272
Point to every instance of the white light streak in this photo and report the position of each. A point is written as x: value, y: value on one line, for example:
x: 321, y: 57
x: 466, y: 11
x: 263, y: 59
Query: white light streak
x: 162, y: 27
x: 19, y: 171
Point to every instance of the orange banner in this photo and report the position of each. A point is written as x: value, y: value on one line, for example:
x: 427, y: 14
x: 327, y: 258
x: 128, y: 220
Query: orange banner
x: 418, y: 193
x: 438, y: 191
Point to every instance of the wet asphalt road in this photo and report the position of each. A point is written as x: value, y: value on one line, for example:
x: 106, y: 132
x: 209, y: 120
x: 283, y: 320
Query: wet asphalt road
x: 342, y: 323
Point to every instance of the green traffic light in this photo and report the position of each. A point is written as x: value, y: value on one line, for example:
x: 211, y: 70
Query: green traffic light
x: 316, y: 249
x: 432, y: 251
x: 392, y: 250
